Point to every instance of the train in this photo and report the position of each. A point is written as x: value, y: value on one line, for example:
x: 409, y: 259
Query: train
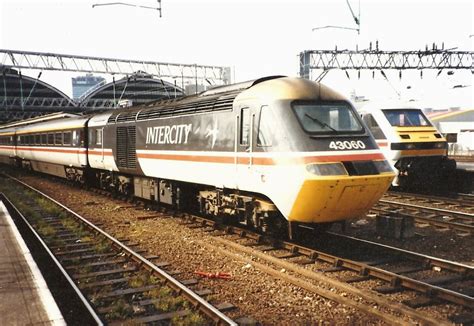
x: 416, y: 149
x: 275, y: 153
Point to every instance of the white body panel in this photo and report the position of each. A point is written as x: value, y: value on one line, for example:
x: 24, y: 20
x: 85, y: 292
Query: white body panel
x: 7, y: 151
x: 102, y: 159
x: 67, y: 156
x: 268, y: 179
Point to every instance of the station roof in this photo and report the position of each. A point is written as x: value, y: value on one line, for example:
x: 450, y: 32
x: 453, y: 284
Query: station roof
x: 136, y: 89
x: 23, y: 97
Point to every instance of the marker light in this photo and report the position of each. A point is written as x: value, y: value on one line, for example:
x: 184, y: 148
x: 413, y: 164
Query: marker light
x: 326, y: 169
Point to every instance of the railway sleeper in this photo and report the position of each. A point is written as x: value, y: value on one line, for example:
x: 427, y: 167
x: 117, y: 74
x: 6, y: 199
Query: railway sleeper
x: 421, y: 301
x: 125, y: 292
x: 153, y: 319
x: 96, y: 264
x: 388, y: 289
x: 92, y: 285
x: 105, y: 273
x: 356, y: 279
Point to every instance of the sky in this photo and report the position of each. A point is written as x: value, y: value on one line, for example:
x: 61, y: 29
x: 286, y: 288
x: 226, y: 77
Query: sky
x: 255, y: 37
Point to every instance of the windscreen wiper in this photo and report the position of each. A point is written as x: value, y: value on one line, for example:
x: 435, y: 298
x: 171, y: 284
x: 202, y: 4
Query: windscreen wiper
x: 322, y: 124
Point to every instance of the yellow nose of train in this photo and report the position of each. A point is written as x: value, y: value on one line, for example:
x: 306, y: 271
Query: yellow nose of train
x: 338, y: 197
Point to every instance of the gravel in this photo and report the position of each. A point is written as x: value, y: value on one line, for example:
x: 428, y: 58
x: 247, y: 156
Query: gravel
x: 264, y: 297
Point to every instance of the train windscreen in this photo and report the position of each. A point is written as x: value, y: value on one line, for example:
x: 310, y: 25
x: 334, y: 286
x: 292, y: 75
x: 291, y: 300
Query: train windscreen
x: 328, y: 118
x: 406, y: 118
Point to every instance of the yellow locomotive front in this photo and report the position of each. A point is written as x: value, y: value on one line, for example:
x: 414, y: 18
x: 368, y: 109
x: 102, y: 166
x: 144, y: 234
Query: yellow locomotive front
x: 313, y: 157
x: 415, y: 148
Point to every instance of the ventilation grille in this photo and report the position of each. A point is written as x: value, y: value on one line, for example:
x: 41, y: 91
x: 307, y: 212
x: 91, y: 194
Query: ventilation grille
x: 126, y: 149
x: 196, y: 106
x: 178, y: 107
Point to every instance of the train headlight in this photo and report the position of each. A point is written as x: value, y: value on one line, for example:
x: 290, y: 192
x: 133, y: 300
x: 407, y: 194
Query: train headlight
x: 410, y: 146
x: 383, y: 166
x: 440, y: 145
x: 326, y: 169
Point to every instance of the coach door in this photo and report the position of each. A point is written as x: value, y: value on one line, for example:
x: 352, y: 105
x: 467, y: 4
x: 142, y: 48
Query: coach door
x: 244, y: 146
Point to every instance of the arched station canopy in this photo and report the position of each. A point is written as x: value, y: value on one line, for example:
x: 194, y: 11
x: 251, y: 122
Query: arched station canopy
x: 139, y: 88
x: 23, y: 97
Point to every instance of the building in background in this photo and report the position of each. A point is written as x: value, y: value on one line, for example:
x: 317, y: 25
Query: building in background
x: 458, y: 126
x: 82, y: 84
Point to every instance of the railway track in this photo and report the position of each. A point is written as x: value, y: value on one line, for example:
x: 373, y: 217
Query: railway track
x: 434, y: 280
x: 462, y: 222
x: 456, y: 202
x: 115, y: 282
x: 296, y: 258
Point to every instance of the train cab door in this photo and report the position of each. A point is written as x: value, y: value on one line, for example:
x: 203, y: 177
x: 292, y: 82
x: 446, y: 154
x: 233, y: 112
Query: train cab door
x: 244, y: 145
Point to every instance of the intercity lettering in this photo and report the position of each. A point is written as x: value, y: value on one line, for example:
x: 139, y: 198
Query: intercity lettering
x: 175, y: 134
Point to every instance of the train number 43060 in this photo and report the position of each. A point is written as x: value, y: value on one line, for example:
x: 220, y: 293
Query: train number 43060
x: 353, y: 144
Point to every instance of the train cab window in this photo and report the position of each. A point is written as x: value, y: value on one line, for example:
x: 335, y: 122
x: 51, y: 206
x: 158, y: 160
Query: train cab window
x: 327, y: 118
x: 67, y: 138
x: 373, y: 126
x: 244, y: 126
x: 98, y: 136
x: 58, y: 138
x: 50, y: 139
x: 44, y: 139
x: 265, y: 130
x: 406, y: 118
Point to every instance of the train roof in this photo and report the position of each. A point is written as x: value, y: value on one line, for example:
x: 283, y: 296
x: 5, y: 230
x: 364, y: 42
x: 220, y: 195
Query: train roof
x: 288, y: 88
x: 222, y: 98
x: 7, y: 131
x: 387, y: 105
x: 71, y: 122
x: 42, y: 118
x: 216, y: 99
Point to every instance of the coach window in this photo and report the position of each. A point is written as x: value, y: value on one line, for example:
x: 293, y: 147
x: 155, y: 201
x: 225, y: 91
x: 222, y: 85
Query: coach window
x: 244, y: 126
x: 264, y: 137
x: 50, y: 139
x: 37, y: 139
x: 373, y: 126
x: 58, y: 138
x: 44, y: 139
x: 67, y: 138
x: 81, y: 138
x: 98, y: 136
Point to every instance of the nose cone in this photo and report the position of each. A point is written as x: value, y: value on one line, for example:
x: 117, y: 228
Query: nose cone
x: 330, y: 200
